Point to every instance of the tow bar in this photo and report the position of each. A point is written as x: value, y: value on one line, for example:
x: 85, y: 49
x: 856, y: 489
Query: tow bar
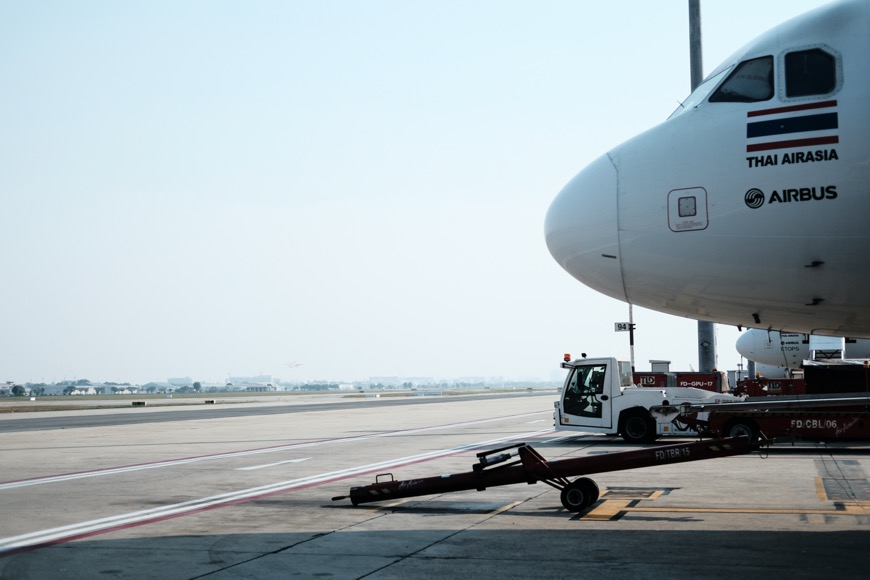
x: 495, y: 468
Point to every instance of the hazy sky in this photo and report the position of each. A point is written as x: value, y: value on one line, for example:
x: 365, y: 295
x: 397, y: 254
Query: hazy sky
x: 221, y: 188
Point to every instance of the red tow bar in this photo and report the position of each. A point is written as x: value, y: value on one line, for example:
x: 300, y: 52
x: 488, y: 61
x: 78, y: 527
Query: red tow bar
x: 495, y: 468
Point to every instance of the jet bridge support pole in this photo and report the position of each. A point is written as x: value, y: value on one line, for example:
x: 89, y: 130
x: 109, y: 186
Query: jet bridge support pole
x: 706, y: 330
x: 496, y: 468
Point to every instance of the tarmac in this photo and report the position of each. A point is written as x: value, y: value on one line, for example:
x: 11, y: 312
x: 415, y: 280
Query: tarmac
x: 249, y: 496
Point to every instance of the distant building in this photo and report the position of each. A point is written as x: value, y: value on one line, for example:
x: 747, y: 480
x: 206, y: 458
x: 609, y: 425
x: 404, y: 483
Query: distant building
x: 420, y: 380
x: 471, y: 380
x: 254, y: 380
x: 156, y: 387
x: 181, y: 382
x: 388, y: 381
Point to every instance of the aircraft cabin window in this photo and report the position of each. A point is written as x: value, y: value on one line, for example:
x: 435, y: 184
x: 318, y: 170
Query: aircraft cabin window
x: 751, y: 81
x: 810, y: 72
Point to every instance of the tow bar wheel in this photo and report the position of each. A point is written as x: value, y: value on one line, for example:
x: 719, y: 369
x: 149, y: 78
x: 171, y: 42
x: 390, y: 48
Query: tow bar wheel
x: 579, y: 494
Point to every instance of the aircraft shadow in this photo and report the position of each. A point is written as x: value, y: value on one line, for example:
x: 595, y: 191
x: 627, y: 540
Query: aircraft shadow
x: 537, y: 552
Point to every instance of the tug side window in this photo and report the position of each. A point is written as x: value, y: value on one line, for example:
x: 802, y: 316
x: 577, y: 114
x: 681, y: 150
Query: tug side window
x: 810, y: 72
x: 751, y: 81
x: 581, y: 396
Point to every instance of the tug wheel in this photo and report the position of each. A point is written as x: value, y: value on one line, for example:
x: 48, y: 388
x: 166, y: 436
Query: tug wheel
x: 638, y: 427
x: 579, y: 494
x: 742, y: 428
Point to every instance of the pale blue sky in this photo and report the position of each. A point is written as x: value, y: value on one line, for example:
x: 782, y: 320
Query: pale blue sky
x: 212, y: 188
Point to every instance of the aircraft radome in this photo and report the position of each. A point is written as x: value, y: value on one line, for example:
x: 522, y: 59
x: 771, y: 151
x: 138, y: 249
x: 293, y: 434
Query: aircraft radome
x: 749, y: 205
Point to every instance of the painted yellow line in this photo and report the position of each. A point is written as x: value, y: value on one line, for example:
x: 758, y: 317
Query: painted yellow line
x: 505, y: 508
x: 820, y: 489
x: 606, y: 510
x: 629, y: 500
x: 848, y: 510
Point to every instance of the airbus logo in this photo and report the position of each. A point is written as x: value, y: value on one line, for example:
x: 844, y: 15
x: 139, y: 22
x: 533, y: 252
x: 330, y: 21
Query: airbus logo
x: 754, y: 198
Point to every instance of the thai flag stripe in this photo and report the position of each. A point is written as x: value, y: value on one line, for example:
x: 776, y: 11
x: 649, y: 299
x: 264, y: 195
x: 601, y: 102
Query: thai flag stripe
x: 792, y: 143
x: 802, y: 124
x: 790, y: 120
x: 792, y: 108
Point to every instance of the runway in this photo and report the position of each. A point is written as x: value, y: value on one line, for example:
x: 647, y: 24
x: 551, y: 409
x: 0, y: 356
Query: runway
x: 247, y: 495
x: 188, y: 409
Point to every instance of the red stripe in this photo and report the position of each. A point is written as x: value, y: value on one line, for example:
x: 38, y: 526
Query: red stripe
x: 793, y: 143
x: 804, y: 107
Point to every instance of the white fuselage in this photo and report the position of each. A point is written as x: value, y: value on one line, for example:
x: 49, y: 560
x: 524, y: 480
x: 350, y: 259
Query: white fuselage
x: 745, y: 213
x: 789, y: 349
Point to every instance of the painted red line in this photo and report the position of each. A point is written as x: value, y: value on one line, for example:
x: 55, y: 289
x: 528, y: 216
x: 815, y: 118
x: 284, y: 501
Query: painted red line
x: 792, y: 143
x: 791, y: 108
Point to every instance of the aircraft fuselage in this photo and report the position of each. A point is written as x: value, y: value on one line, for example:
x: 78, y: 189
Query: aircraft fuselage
x: 748, y: 206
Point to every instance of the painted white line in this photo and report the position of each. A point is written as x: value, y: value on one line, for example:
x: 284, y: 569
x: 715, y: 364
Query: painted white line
x: 272, y: 464
x: 233, y: 454
x: 102, y: 525
x: 538, y: 421
x: 573, y: 435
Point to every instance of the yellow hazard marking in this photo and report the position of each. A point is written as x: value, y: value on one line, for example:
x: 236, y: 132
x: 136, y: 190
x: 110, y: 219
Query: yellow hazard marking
x: 848, y: 510
x: 616, y: 503
x: 607, y: 510
x: 506, y: 507
x: 632, y: 494
x: 820, y: 489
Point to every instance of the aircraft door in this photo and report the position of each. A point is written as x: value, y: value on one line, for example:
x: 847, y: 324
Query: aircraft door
x: 585, y: 401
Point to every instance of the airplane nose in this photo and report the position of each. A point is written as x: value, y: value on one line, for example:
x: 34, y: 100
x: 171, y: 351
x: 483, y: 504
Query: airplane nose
x: 745, y: 345
x: 582, y: 229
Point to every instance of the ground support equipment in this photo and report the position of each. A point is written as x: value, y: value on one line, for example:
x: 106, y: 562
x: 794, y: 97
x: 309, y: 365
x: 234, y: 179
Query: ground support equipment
x: 498, y: 467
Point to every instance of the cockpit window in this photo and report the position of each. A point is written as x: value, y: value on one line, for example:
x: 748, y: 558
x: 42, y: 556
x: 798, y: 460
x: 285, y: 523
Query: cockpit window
x: 751, y: 81
x: 700, y: 93
x: 810, y: 72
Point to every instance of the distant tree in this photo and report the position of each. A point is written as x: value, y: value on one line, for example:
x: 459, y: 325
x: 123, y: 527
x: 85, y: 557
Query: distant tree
x: 18, y: 391
x: 197, y: 386
x: 151, y: 389
x: 83, y: 383
x: 69, y: 390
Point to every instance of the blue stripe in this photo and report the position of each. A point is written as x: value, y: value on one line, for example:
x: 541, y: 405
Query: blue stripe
x: 792, y: 125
